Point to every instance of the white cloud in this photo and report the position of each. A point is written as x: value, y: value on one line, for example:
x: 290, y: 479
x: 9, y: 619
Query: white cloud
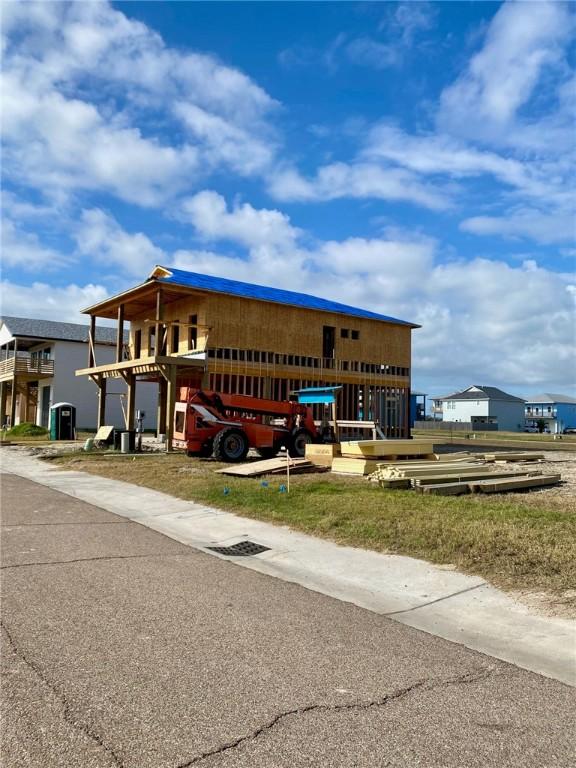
x: 225, y: 143
x: 357, y: 180
x: 251, y: 227
x: 25, y: 250
x: 49, y: 302
x: 58, y: 139
x: 531, y: 223
x: 100, y: 238
x: 442, y: 154
x: 484, y: 320
x: 522, y: 41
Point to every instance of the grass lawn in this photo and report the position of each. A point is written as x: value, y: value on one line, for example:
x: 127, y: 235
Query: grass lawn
x: 518, y: 541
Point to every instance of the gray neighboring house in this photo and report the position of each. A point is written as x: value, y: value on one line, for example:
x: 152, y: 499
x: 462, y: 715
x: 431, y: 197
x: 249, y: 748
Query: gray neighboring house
x: 38, y: 361
x: 479, y: 406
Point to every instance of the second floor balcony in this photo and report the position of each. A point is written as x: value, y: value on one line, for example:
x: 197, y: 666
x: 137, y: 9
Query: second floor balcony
x: 540, y: 413
x: 24, y: 364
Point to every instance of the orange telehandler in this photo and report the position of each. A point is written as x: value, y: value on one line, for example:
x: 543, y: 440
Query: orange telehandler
x: 226, y: 426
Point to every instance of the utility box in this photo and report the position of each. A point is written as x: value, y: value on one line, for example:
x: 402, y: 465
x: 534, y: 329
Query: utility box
x: 63, y: 421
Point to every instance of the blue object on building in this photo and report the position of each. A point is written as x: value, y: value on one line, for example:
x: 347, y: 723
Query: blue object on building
x: 314, y: 395
x: 417, y: 409
x: 249, y: 291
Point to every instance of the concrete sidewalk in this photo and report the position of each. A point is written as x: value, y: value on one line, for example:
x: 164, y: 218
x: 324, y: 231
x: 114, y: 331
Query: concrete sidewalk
x: 449, y: 604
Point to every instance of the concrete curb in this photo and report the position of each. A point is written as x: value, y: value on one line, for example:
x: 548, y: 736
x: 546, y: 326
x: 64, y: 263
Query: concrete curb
x: 448, y: 604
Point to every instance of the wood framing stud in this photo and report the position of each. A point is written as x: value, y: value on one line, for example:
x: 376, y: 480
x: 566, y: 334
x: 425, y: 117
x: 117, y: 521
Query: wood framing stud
x: 120, y: 334
x: 91, y: 340
x: 101, y: 402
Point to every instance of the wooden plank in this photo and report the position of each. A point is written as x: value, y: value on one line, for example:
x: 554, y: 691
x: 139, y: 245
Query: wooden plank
x: 378, y: 448
x: 255, y: 468
x: 518, y: 484
x: 439, y: 479
x: 510, y: 456
x: 356, y: 466
x: 397, y: 484
x: 389, y: 474
x: 446, y: 489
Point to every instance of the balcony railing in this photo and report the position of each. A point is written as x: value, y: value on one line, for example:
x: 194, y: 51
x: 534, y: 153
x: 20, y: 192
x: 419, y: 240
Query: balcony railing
x: 26, y: 365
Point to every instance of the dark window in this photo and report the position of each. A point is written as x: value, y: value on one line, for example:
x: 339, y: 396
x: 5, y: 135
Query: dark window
x: 179, y: 422
x: 344, y: 332
x: 137, y: 344
x: 175, y: 339
x: 329, y: 341
x: 355, y: 335
x: 193, y: 332
x: 163, y: 339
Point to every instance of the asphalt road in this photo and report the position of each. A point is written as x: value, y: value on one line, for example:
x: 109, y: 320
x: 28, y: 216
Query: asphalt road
x: 121, y: 647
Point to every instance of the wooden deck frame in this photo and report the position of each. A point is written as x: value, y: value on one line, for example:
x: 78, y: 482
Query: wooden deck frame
x: 165, y: 367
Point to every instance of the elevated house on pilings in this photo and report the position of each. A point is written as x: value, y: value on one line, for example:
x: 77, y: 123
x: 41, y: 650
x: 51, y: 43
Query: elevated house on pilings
x: 38, y: 361
x: 233, y: 337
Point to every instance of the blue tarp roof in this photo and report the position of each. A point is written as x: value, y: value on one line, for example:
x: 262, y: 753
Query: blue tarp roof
x: 277, y: 295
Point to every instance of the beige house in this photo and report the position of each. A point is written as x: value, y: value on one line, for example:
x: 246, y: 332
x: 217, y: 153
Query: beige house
x: 233, y: 337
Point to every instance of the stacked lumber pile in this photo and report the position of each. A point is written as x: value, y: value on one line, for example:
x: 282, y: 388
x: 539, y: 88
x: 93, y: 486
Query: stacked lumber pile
x: 271, y: 467
x: 446, y: 478
x: 362, y: 457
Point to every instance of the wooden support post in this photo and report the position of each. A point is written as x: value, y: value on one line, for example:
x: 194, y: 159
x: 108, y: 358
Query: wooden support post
x: 13, y: 403
x: 157, y: 339
x: 170, y: 403
x: 3, y: 397
x: 161, y: 413
x: 101, y: 402
x: 91, y: 342
x: 131, y: 402
x: 120, y: 334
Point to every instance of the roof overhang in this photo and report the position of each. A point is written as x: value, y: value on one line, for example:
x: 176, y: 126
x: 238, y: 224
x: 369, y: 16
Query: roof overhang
x: 139, y: 299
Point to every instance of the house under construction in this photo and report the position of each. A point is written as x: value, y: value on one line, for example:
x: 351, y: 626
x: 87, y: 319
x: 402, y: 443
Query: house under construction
x: 233, y: 337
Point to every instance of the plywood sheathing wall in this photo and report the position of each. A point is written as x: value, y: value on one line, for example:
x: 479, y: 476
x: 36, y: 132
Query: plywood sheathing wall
x: 249, y: 324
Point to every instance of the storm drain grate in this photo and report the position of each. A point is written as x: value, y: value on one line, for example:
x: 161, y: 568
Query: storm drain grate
x: 242, y: 549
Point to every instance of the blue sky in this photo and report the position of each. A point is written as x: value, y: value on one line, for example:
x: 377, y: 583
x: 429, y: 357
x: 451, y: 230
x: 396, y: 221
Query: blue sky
x: 414, y: 158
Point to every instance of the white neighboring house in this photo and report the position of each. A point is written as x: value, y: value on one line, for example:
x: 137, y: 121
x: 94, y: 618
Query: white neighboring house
x: 38, y: 361
x: 478, y: 406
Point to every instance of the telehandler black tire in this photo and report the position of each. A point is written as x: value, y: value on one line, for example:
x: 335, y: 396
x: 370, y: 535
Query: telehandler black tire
x: 231, y: 444
x: 298, y: 442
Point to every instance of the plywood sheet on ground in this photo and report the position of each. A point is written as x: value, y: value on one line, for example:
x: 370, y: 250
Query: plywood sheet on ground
x: 269, y: 467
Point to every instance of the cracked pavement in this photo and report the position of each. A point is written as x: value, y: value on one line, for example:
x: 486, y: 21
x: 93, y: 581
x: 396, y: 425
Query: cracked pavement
x: 122, y: 647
